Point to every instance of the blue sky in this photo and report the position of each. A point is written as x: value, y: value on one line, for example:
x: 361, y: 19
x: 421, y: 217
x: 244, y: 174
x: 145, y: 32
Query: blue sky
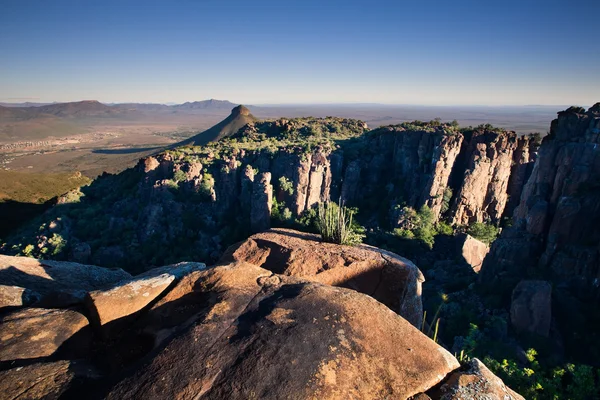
x: 397, y: 52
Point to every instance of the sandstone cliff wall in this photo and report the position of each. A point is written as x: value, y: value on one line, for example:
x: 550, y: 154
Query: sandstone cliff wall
x: 465, y: 178
x: 555, y: 231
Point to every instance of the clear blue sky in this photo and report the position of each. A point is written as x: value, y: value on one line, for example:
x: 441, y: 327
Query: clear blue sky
x: 400, y: 52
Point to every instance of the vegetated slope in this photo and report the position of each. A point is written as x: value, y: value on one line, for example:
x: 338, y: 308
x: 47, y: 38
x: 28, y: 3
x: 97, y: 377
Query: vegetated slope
x: 28, y: 187
x: 189, y: 202
x: 239, y: 117
x: 25, y: 195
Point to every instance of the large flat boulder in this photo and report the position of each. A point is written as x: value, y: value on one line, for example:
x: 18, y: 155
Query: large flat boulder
x: 260, y: 335
x: 110, y: 309
x: 15, y: 296
x: 116, y: 308
x: 48, y: 381
x: 393, y: 280
x: 34, y: 333
x: 60, y: 283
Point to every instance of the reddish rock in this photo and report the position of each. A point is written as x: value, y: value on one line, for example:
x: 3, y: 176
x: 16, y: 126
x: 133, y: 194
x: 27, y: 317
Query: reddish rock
x: 473, y: 251
x: 389, y: 278
x: 110, y: 309
x: 261, y: 203
x: 484, y: 189
x: 37, y: 333
x: 42, y: 381
x: 59, y: 283
x: 293, y: 337
x: 474, y: 381
x: 14, y: 296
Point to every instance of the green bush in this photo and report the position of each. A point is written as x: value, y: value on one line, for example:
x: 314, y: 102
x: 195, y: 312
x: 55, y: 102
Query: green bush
x: 179, y: 176
x: 534, y: 382
x: 286, y: 185
x: 485, y: 232
x: 446, y: 198
x: 335, y: 224
x: 443, y: 228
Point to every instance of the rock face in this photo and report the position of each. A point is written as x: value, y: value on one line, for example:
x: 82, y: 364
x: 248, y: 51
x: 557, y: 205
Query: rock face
x: 483, y: 194
x: 261, y: 203
x: 389, y: 278
x: 37, y: 333
x: 57, y: 282
x: 47, y: 381
x: 474, y: 381
x: 107, y: 307
x: 294, y: 338
x: 14, y: 296
x: 555, y: 225
x: 234, y: 331
x: 530, y: 309
x: 473, y: 251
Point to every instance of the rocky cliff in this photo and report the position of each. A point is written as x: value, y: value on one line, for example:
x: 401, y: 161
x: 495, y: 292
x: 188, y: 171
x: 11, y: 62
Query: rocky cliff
x: 555, y: 228
x: 547, y: 265
x: 235, y: 330
x: 196, y: 200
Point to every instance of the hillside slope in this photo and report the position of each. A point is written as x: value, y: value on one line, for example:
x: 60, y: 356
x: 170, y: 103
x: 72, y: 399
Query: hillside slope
x: 239, y: 117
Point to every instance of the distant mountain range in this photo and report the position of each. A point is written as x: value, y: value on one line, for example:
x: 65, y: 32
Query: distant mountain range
x: 95, y: 109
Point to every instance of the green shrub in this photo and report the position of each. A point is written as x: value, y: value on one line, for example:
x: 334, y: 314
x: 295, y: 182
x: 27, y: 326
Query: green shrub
x: 335, y: 224
x: 446, y: 198
x: 286, y: 185
x: 207, y: 185
x: 179, y: 176
x: 443, y: 228
x: 485, y: 232
x: 404, y: 233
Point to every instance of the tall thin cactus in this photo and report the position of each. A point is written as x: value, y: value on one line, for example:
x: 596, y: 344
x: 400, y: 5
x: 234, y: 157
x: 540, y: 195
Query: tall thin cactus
x: 335, y: 223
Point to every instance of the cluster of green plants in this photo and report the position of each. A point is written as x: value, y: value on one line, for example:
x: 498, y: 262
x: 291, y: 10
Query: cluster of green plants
x: 419, y: 225
x: 334, y: 223
x: 530, y: 377
x: 486, y: 233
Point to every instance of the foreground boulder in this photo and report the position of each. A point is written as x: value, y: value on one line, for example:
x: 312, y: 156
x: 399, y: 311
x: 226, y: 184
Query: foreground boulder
x: 294, y: 338
x: 113, y: 309
x: 47, y: 381
x: 15, y: 296
x: 389, y: 278
x: 108, y: 308
x: 59, y: 283
x: 234, y: 331
x: 37, y: 333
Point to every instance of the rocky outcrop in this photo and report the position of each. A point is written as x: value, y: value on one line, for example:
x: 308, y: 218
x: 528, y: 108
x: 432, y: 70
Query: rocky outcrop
x: 483, y: 192
x: 15, y: 296
x: 474, y: 381
x: 389, y: 278
x: 293, y: 337
x: 233, y: 331
x: 555, y: 225
x: 108, y: 308
x: 531, y: 307
x: 36, y: 333
x: 48, y: 381
x: 261, y: 203
x: 58, y: 283
x: 472, y: 251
